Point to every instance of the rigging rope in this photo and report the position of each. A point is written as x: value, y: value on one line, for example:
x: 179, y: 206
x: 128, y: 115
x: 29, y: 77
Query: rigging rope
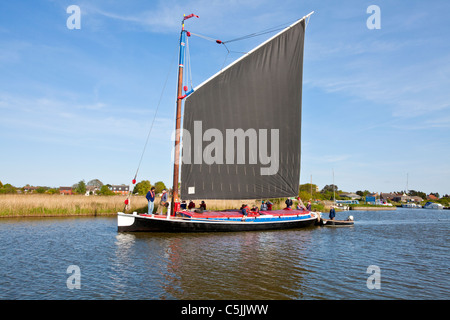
x: 153, y: 121
x: 251, y: 35
x: 188, y: 63
x: 150, y: 130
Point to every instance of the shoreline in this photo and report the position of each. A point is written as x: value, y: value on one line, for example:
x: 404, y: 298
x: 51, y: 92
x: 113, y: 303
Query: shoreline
x: 61, y: 215
x: 362, y: 208
x: 41, y: 206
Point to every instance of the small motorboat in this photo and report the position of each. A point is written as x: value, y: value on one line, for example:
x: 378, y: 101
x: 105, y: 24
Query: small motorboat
x: 337, y: 223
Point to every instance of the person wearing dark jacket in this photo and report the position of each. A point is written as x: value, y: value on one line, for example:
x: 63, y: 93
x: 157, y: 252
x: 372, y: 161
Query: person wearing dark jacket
x: 288, y: 203
x: 332, y: 213
x: 151, y: 198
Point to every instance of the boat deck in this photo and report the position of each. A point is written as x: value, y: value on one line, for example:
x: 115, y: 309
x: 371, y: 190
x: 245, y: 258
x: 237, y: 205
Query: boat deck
x: 237, y: 215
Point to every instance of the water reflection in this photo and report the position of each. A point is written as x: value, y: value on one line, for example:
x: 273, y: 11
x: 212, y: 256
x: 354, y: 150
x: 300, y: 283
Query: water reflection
x: 410, y: 246
x: 252, y: 265
x: 124, y: 241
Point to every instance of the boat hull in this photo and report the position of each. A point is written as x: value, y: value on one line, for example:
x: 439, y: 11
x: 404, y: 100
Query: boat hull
x: 145, y: 223
x: 336, y: 223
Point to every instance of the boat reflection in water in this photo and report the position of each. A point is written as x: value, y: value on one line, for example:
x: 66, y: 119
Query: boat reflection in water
x: 247, y: 265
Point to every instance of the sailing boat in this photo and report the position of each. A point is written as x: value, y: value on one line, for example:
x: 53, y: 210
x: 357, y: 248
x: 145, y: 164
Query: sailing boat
x: 241, y: 140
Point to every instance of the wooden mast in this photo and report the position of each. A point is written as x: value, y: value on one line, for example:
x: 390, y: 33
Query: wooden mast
x: 180, y: 97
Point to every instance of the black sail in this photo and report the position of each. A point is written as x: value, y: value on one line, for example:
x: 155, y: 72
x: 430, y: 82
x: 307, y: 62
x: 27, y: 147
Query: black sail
x: 242, y: 127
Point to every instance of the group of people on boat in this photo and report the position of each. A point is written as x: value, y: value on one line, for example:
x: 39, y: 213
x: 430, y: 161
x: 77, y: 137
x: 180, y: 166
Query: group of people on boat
x: 289, y: 203
x: 191, y: 205
x: 163, y: 204
x: 245, y: 209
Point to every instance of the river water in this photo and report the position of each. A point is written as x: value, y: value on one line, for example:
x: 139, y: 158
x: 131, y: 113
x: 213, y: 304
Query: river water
x: 402, y: 254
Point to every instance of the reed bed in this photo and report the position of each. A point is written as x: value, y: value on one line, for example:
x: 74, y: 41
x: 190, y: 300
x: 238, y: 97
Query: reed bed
x: 43, y: 205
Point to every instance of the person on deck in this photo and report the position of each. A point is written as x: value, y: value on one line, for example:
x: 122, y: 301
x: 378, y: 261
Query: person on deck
x: 332, y: 213
x: 162, y: 203
x: 203, y: 205
x: 245, y: 209
x: 308, y: 206
x: 269, y: 205
x: 151, y: 198
x: 263, y: 206
x: 255, y: 209
x: 183, y: 205
x: 191, y: 205
x: 288, y: 203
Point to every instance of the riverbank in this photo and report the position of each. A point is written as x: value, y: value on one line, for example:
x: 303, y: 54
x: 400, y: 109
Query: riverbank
x: 373, y: 208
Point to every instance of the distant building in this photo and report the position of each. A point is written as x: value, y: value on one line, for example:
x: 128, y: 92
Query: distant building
x: 120, y: 189
x: 432, y: 197
x: 65, y: 190
x: 29, y: 189
x: 388, y: 196
x: 401, y: 198
x: 415, y: 199
x: 398, y: 197
x: 91, y: 190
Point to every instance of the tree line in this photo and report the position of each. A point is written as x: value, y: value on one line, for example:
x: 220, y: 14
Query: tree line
x: 309, y: 191
x: 81, y: 187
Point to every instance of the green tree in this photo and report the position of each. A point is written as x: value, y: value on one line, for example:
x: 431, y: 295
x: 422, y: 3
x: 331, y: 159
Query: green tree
x: 52, y: 191
x: 41, y: 190
x: 362, y: 193
x: 105, y: 191
x: 304, y: 192
x: 8, y: 188
x: 142, y: 187
x: 159, y: 186
x: 80, y: 187
x: 95, y: 183
x: 305, y: 196
x: 329, y: 188
x: 308, y: 187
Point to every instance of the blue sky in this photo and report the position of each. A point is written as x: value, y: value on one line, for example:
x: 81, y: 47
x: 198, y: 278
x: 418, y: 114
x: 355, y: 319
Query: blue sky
x: 78, y: 104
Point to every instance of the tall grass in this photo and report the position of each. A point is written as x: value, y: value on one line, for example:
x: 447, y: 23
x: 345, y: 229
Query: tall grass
x: 44, y: 205
x: 41, y: 205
